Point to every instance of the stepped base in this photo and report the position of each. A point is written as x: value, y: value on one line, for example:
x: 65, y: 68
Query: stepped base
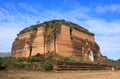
x: 62, y: 66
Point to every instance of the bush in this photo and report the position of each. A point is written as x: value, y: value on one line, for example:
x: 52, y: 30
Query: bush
x: 38, y: 55
x: 35, y: 59
x: 69, y: 59
x: 20, y: 65
x: 81, y: 60
x: 9, y: 60
x: 1, y: 60
x: 118, y: 59
x: 47, y: 66
x: 21, y: 59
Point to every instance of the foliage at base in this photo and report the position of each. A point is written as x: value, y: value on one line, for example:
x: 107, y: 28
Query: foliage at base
x: 69, y: 59
x: 47, y: 66
x: 36, y: 58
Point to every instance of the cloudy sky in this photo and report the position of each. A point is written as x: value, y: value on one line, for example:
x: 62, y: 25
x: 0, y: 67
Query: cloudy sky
x: 102, y: 17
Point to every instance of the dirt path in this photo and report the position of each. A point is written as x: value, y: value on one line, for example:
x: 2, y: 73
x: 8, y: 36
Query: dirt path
x: 59, y: 75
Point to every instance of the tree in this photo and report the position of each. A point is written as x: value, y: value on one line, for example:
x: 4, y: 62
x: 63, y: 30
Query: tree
x: 118, y: 59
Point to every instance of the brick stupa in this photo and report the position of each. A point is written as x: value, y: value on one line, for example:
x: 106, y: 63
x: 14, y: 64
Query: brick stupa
x: 66, y: 38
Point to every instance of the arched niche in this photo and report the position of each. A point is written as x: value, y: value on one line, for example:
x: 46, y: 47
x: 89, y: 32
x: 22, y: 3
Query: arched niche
x: 91, y: 55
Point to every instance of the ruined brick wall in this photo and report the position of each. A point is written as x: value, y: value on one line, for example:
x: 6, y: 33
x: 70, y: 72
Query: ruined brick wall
x: 38, y: 42
x: 77, y: 44
x: 64, y: 43
x: 20, y: 47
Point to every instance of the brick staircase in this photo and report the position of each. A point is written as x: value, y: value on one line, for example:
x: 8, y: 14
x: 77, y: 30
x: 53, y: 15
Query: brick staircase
x: 62, y: 66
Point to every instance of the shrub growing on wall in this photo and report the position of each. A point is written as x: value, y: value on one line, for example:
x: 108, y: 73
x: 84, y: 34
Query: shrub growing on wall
x: 47, y: 66
x: 36, y: 58
x: 38, y: 55
x: 21, y: 59
x: 69, y: 59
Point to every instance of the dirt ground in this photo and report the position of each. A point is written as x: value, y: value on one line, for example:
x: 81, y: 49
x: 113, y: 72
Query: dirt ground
x: 22, y: 74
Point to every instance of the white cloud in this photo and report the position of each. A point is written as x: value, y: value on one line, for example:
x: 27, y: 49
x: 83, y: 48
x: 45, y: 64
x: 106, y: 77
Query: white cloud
x: 8, y: 32
x: 7, y: 36
x: 107, y: 35
x: 103, y: 27
x: 105, y: 8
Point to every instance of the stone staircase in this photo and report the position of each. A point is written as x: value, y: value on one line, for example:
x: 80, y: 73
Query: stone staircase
x: 62, y: 66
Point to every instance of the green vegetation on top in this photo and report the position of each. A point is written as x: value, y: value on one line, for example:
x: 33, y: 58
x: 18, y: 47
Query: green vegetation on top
x: 32, y: 27
x: 53, y: 24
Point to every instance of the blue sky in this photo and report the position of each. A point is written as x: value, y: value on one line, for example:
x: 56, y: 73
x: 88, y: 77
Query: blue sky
x: 102, y: 17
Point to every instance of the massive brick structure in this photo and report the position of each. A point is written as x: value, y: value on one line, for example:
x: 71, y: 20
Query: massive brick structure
x: 66, y: 38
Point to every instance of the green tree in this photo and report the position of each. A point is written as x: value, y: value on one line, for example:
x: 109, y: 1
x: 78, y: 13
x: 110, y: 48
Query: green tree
x: 118, y: 59
x: 1, y: 61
